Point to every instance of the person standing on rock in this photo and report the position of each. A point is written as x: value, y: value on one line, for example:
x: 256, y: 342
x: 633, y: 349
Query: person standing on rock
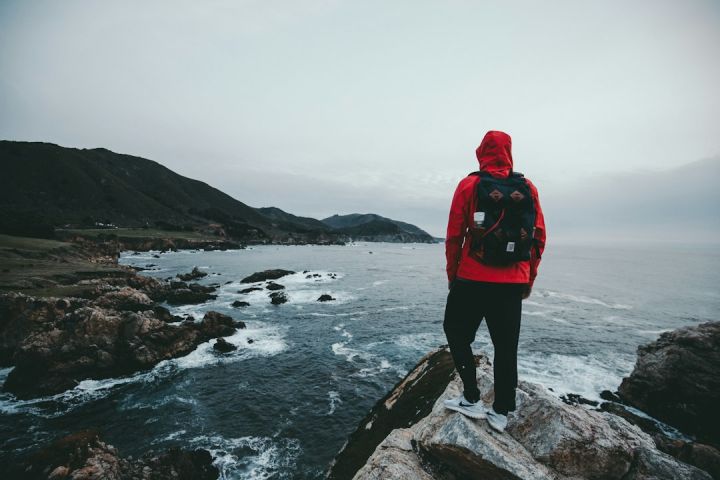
x: 495, y: 239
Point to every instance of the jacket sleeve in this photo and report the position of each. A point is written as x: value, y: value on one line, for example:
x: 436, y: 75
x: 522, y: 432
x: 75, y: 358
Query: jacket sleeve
x: 540, y: 235
x: 457, y: 225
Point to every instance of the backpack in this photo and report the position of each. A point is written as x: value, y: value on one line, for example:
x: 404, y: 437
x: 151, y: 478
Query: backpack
x: 503, y: 226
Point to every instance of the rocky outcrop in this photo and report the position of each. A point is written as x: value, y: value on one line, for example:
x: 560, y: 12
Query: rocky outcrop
x: 92, y: 342
x: 193, y: 275
x: 84, y: 456
x: 676, y: 380
x: 545, y: 439
x: 266, y: 275
x: 410, y: 400
x: 278, y: 298
x: 22, y: 315
x: 274, y: 286
x: 325, y: 298
x: 223, y: 346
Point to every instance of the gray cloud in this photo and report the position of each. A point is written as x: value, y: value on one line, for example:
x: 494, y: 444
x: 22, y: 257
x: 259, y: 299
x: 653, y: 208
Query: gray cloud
x: 326, y: 107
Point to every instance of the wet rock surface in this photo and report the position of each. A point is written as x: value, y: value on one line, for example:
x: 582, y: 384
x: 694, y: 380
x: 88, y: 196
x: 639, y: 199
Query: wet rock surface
x: 240, y: 304
x: 278, y: 298
x: 266, y: 275
x: 274, y: 286
x: 193, y: 275
x: 325, y: 298
x: 223, y: 346
x: 676, y: 380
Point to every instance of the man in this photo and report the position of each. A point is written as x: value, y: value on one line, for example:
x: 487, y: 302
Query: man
x: 495, y: 239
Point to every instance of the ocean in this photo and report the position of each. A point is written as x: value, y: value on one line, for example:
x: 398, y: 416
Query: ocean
x: 283, y: 404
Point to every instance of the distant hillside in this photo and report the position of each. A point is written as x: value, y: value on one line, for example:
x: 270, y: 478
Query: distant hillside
x: 45, y: 186
x: 288, y: 221
x: 372, y: 227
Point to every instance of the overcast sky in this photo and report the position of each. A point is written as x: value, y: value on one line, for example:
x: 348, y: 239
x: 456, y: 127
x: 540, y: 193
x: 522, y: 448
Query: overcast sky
x: 322, y: 106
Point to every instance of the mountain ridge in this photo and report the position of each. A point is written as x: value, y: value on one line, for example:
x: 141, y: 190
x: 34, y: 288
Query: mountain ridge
x: 47, y: 186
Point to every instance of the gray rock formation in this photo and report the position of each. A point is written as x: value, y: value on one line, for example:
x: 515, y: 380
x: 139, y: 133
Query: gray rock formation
x: 676, y: 380
x: 545, y: 439
x: 266, y: 275
x: 92, y: 342
x: 84, y: 456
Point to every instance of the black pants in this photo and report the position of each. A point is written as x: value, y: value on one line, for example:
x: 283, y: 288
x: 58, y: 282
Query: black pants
x: 501, y: 305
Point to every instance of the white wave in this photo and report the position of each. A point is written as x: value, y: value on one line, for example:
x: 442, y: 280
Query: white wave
x: 268, y: 456
x: 583, y: 299
x: 334, y: 399
x: 377, y: 283
x: 376, y: 363
x: 420, y: 341
x: 586, y: 375
x: 394, y: 309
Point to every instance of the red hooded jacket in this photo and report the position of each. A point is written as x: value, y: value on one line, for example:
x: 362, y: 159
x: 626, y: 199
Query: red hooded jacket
x: 495, y: 157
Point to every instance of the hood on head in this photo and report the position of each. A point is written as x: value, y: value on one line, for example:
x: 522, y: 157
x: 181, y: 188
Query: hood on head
x: 494, y: 154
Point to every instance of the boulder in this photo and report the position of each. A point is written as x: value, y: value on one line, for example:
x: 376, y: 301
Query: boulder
x: 277, y: 298
x: 193, y: 275
x: 325, y: 298
x: 676, y: 380
x: 266, y: 275
x: 223, y: 346
x: 545, y: 439
x: 238, y: 304
x: 274, y: 286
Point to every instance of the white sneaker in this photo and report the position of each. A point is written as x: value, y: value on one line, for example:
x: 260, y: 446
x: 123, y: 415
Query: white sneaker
x: 497, y: 421
x: 470, y: 409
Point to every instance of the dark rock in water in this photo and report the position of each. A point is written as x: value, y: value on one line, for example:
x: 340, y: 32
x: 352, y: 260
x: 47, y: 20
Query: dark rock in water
x: 164, y: 314
x: 609, y: 396
x: 676, y: 379
x: 155, y: 255
x: 274, y: 286
x: 313, y: 275
x: 222, y: 345
x: 325, y: 298
x: 238, y: 304
x: 266, y: 275
x: 250, y: 289
x: 575, y: 399
x: 184, y: 294
x: 276, y: 298
x: 545, y: 439
x: 83, y: 456
x: 409, y: 400
x: 250, y: 340
x: 194, y: 274
x: 216, y: 324
x: 92, y: 343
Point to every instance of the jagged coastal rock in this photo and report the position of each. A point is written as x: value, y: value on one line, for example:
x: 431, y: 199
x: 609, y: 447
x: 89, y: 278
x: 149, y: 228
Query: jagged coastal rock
x: 545, y: 439
x: 84, y: 456
x: 92, y: 343
x: 676, y: 380
x: 266, y: 275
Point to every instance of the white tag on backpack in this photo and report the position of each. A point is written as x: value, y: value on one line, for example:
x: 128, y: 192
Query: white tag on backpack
x: 510, y: 247
x: 479, y: 218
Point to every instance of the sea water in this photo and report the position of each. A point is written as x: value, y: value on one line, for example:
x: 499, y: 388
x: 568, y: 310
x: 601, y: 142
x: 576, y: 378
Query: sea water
x: 305, y: 372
